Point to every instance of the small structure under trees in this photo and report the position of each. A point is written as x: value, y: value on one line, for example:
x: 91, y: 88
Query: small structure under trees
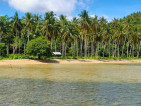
x: 57, y: 54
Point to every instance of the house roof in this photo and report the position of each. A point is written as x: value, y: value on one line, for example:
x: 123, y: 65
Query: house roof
x: 56, y: 53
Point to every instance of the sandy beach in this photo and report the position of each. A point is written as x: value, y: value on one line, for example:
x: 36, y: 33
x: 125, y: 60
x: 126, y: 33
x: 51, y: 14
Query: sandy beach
x: 62, y: 61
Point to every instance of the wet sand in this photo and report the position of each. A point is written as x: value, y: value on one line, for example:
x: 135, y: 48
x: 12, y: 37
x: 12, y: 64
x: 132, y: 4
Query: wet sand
x: 62, y: 61
x: 117, y: 73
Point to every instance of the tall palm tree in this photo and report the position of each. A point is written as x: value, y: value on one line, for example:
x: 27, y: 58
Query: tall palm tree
x: 94, y: 32
x: 85, y: 27
x: 28, y: 20
x: 49, y: 26
x: 37, y: 25
x: 2, y: 25
x: 127, y: 29
x: 16, y: 28
x: 8, y: 35
x: 83, y: 36
x: 64, y: 33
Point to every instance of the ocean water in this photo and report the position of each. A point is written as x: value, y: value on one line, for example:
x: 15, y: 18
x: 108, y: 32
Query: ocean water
x: 71, y: 85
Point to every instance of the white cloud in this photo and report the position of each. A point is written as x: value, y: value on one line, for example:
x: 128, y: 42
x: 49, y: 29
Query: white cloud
x: 92, y: 15
x: 84, y: 4
x: 105, y: 16
x: 40, y: 6
x: 69, y: 18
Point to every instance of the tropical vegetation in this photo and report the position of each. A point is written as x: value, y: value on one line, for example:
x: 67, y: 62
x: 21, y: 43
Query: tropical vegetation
x: 84, y: 36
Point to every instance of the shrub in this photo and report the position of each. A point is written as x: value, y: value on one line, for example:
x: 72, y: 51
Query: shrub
x: 106, y: 53
x: 18, y: 56
x: 38, y: 47
x: 2, y: 49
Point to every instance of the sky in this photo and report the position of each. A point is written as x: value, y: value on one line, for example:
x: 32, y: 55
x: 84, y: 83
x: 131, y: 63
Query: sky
x: 110, y: 9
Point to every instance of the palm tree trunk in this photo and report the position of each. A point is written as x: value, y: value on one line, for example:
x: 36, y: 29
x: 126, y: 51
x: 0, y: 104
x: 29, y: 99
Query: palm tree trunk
x: 46, y: 35
x: 24, y: 47
x: 28, y: 35
x: 74, y: 51
x: 109, y: 48
x: 127, y: 48
x: 103, y: 48
x: 130, y: 51
x: 51, y: 43
x: 92, y: 49
x: 115, y: 49
x: 123, y: 48
x: 133, y: 51
x: 61, y: 48
x: 85, y: 45
x: 118, y: 50
x: 0, y: 42
x: 97, y: 49
x: 55, y: 45
x: 72, y: 48
x: 19, y: 45
x: 65, y: 49
x: 13, y: 49
x: 8, y: 49
x: 77, y: 47
x: 81, y: 48
x: 138, y: 51
x: 0, y: 37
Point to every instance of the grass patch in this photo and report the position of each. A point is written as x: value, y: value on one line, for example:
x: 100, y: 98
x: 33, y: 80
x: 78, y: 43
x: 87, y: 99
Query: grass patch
x: 98, y: 58
x: 17, y: 56
x: 22, y: 56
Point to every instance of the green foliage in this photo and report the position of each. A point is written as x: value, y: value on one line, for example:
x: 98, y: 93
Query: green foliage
x: 16, y: 42
x: 2, y: 49
x: 97, y: 58
x: 15, y: 56
x: 103, y: 53
x: 18, y: 56
x: 83, y: 36
x: 1, y: 57
x: 38, y: 47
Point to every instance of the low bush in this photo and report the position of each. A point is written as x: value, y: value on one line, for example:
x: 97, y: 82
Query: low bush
x: 18, y: 56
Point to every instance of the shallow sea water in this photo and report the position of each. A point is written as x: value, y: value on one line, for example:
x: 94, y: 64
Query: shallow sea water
x: 71, y: 85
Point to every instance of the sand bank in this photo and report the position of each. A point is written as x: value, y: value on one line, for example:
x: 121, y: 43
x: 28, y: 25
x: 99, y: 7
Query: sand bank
x: 62, y: 61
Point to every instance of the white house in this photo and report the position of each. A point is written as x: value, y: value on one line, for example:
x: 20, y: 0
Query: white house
x: 57, y: 54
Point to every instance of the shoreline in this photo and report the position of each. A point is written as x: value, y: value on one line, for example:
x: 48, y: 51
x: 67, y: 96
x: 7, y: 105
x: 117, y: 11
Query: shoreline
x: 64, y: 61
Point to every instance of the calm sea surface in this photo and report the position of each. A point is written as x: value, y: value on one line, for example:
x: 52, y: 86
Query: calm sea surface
x: 71, y: 85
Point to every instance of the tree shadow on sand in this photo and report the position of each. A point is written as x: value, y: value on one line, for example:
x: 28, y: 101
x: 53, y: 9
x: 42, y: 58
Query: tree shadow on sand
x: 47, y: 61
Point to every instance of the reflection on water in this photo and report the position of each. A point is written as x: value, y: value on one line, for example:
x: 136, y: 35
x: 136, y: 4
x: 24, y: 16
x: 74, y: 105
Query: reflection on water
x: 58, y: 85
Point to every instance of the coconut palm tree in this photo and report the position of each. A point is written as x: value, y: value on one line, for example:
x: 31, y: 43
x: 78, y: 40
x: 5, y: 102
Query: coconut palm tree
x: 49, y: 27
x: 28, y: 21
x: 64, y: 33
x: 2, y: 25
x: 37, y: 26
x: 94, y: 32
x: 8, y: 35
x: 16, y: 28
x: 85, y: 20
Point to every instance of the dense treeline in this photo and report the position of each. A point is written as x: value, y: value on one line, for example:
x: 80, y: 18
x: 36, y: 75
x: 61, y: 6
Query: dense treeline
x: 84, y: 36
